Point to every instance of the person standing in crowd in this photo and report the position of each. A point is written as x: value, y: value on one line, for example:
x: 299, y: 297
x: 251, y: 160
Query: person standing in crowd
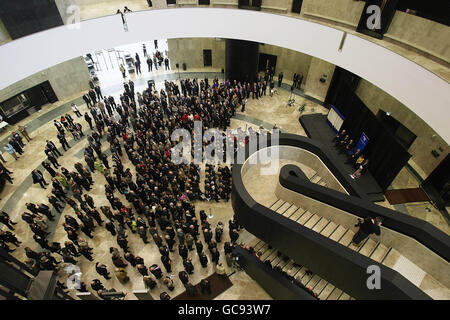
x: 38, y: 177
x: 137, y: 63
x: 280, y: 79
x: 62, y: 139
x: 98, y: 92
x: 87, y: 100
x: 75, y: 110
x: 122, y: 69
x: 23, y: 131
x: 149, y: 63
x: 88, y: 120
x: 166, y: 63
x: 4, y: 218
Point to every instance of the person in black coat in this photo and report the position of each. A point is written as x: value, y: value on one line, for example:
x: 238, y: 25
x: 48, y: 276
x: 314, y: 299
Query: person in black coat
x: 110, y: 227
x: 69, y: 246
x: 208, y: 235
x: 54, y: 201
x: 31, y: 254
x: 89, y: 201
x: 156, y: 271
x: 184, y: 277
x: 143, y: 234
x: 170, y: 242
x: 164, y: 296
x: 203, y: 259
x: 183, y: 251
x: 188, y: 266
x: 53, y: 160
x: 62, y: 139
x: 191, y: 290
x: 164, y: 251
x: 41, y: 241
x: 234, y: 235
x: 49, y: 169
x: 142, y: 269
x: 199, y: 246
x: 87, y: 253
x: 130, y: 258
x: 4, y: 218
x: 88, y: 120
x: 215, y: 255
x: 38, y: 177
x: 87, y: 99
x: 123, y: 243
x: 166, y: 262
x: 205, y: 286
x: 97, y: 285
x: 367, y: 227
x: 45, y: 210
x: 102, y: 270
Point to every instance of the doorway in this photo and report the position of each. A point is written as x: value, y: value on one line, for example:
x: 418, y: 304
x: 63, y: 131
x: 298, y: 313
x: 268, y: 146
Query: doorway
x: 207, y: 57
x: 267, y: 61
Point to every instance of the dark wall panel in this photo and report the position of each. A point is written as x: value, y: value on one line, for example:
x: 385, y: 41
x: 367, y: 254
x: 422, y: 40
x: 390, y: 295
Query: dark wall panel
x: 24, y: 17
x: 242, y: 60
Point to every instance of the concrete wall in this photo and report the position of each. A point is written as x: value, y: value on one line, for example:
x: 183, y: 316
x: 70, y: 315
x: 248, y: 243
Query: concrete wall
x: 318, y: 69
x: 190, y: 51
x: 288, y: 61
x: 67, y: 78
x: 4, y: 35
x: 344, y: 11
x: 427, y: 35
x: 426, y: 140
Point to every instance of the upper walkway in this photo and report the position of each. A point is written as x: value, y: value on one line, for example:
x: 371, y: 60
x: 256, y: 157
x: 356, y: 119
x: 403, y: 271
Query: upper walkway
x: 440, y: 66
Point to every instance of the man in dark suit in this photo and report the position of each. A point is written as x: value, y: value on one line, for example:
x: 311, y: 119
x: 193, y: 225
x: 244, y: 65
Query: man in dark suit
x: 102, y: 270
x: 87, y: 99
x: 205, y: 286
x: 38, y: 177
x: 98, y: 91
x: 188, y: 266
x: 93, y: 96
x: 149, y: 64
x: 156, y: 271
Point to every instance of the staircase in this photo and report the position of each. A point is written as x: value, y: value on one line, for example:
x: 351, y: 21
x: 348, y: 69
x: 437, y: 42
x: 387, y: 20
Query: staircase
x: 323, y: 289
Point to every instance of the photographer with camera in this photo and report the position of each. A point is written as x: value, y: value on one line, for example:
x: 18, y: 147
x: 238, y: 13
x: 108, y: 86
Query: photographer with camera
x: 366, y: 228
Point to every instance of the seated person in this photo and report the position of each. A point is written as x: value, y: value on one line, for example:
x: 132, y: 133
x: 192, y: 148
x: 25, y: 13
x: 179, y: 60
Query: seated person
x: 360, y: 170
x: 359, y: 161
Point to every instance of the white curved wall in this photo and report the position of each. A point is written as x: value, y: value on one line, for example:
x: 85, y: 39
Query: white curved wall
x: 423, y: 92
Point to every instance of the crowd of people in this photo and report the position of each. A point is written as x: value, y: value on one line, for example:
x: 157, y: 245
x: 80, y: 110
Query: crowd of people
x: 159, y: 196
x: 344, y: 144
